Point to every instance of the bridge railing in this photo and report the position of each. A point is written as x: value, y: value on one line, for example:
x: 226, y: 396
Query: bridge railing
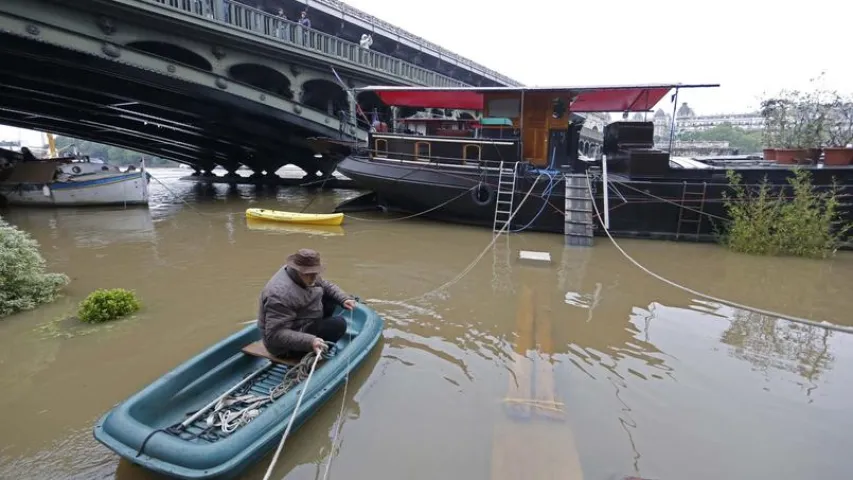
x: 262, y: 23
x: 475, y: 67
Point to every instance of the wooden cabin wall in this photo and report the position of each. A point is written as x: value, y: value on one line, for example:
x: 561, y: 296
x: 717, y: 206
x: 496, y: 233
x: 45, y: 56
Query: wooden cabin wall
x: 538, y: 117
x: 450, y: 151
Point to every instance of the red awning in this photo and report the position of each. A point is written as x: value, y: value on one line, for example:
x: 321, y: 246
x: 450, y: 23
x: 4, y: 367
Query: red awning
x: 588, y: 99
x: 629, y: 99
x: 457, y: 99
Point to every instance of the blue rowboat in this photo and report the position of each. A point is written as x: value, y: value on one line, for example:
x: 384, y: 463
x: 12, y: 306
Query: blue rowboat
x: 178, y: 425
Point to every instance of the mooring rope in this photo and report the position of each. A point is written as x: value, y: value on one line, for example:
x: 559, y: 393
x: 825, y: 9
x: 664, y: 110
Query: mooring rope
x: 471, y: 265
x: 769, y: 313
x: 382, y: 220
x: 665, y: 200
x: 295, y: 411
x: 341, y: 413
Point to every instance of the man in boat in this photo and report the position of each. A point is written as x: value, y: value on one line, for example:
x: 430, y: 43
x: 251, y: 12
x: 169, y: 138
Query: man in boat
x: 296, y: 307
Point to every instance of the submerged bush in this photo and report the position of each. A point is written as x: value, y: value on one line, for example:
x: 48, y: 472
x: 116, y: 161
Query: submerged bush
x: 24, y: 284
x: 763, y: 223
x: 105, y: 305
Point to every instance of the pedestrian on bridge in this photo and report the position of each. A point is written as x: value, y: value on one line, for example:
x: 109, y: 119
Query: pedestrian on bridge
x: 281, y: 27
x: 305, y: 23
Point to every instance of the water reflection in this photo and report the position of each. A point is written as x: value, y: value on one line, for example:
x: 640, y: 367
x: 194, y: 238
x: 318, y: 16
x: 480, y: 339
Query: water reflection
x: 770, y: 343
x: 89, y: 227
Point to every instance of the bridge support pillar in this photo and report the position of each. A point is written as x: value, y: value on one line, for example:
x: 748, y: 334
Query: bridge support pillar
x: 353, y: 118
x: 231, y: 167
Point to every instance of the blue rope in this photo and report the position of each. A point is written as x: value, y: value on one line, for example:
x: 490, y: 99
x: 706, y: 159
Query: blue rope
x: 549, y: 189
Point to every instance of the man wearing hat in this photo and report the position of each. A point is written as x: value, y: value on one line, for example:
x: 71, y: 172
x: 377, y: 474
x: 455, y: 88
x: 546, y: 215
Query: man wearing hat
x: 296, y: 307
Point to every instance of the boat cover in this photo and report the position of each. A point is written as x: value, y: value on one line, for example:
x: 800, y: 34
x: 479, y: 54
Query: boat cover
x: 32, y: 172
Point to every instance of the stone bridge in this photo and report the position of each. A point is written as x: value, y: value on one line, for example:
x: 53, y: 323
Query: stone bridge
x: 202, y: 83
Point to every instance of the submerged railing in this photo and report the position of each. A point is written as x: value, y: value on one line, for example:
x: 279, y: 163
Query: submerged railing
x: 292, y: 33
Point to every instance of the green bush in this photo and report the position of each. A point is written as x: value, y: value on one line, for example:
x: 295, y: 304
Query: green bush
x: 23, y: 281
x: 763, y: 223
x: 106, y: 305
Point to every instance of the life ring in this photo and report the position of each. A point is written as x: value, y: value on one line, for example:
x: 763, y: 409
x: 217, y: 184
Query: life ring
x: 482, y: 194
x: 75, y: 169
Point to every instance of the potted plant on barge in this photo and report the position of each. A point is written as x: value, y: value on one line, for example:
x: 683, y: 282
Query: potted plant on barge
x: 795, y: 122
x: 774, y: 111
x: 840, y: 132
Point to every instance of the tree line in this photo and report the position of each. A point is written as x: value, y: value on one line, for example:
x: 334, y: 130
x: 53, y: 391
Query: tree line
x: 109, y: 154
x: 744, y: 141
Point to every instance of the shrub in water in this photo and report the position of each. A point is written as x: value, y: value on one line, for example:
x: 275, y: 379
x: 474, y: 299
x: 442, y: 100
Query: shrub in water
x: 105, y: 305
x: 24, y: 284
x: 766, y: 224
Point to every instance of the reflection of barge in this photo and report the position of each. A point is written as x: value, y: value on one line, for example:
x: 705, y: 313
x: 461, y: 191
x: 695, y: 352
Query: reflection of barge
x: 457, y: 173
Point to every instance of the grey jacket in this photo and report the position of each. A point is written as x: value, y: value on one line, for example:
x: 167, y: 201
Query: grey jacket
x: 287, y: 306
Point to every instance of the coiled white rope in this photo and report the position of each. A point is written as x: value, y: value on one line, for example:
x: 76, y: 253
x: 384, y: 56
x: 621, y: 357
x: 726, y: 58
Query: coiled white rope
x: 826, y: 325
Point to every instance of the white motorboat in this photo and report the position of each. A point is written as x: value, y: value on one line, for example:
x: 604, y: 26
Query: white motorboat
x: 73, y: 182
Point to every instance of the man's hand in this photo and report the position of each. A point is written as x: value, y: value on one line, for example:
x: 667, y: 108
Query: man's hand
x: 319, y: 345
x: 349, y: 304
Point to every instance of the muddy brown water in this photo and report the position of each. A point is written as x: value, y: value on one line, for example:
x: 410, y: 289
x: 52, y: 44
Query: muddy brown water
x: 629, y: 376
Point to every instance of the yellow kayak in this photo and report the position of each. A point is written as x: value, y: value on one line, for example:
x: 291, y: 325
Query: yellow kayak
x: 328, y: 219
x: 289, y: 228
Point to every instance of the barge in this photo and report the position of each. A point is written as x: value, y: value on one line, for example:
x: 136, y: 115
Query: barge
x: 527, y: 140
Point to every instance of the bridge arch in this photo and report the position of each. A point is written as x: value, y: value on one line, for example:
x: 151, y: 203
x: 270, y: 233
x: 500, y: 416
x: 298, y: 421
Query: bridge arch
x: 262, y: 78
x: 325, y: 96
x: 173, y: 52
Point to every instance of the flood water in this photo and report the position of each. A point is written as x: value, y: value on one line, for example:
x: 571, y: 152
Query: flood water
x: 632, y: 376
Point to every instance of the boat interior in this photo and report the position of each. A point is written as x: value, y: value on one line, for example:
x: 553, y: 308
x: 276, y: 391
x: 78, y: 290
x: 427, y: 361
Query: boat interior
x: 242, y: 357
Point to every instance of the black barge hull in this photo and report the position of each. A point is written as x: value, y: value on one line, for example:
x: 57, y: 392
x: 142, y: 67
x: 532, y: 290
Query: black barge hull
x: 655, y: 208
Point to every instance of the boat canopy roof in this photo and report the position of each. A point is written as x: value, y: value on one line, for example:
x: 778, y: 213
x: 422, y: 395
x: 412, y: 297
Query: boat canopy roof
x: 616, y: 98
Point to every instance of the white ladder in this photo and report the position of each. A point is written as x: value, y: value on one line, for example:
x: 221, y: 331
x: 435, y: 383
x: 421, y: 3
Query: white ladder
x: 504, y: 199
x: 501, y: 267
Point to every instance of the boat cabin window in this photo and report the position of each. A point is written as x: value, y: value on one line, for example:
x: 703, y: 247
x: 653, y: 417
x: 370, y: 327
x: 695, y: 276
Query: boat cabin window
x: 380, y: 147
x: 422, y: 151
x: 497, y: 127
x: 471, y: 152
x: 558, y: 107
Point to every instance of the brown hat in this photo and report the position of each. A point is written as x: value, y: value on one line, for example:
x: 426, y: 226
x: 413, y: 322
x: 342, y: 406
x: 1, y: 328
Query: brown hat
x: 305, y: 261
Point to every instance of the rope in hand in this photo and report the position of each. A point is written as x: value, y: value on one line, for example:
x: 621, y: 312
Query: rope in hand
x: 292, y: 417
x: 471, y: 265
x: 826, y: 325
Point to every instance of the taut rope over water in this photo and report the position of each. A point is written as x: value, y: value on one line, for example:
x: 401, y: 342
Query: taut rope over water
x: 769, y: 313
x: 340, y: 414
x: 471, y: 265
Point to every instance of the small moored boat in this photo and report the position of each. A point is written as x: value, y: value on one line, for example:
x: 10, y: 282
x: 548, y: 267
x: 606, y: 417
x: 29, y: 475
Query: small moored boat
x: 222, y: 410
x: 72, y: 182
x: 293, y: 228
x: 328, y: 219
